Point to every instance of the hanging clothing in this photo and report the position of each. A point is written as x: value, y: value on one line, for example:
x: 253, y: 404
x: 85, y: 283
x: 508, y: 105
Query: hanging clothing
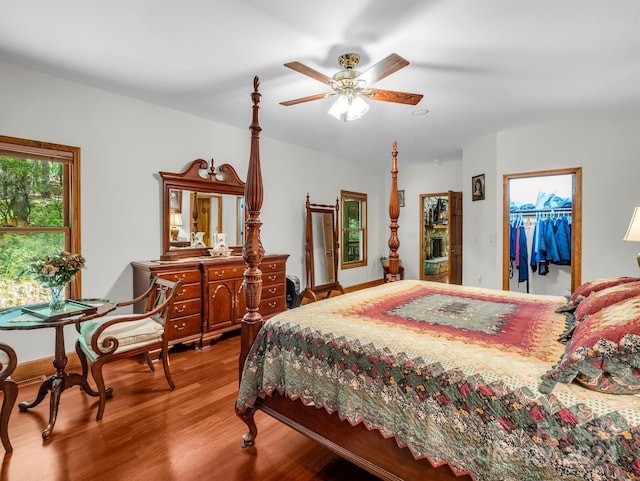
x: 563, y: 238
x: 512, y: 246
x: 535, y: 245
x: 522, y: 257
x: 551, y: 243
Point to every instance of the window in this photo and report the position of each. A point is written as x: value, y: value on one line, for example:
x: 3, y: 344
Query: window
x: 39, y: 213
x: 354, y: 229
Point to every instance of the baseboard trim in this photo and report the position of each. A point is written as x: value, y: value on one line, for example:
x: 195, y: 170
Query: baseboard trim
x: 357, y: 287
x: 38, y: 369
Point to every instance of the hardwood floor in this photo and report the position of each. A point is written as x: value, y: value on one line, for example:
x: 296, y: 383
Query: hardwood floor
x: 149, y: 432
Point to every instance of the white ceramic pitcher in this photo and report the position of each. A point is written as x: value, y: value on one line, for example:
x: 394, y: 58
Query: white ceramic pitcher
x: 197, y: 239
x: 219, y: 242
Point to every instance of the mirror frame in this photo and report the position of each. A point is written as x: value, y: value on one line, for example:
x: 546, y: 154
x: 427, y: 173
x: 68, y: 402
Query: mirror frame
x: 312, y: 290
x: 198, y: 176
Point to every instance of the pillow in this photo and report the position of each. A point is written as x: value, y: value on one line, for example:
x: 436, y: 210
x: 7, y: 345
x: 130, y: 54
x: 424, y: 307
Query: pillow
x: 589, y: 287
x: 625, y: 382
x: 595, y: 285
x: 606, y: 297
x: 603, y: 353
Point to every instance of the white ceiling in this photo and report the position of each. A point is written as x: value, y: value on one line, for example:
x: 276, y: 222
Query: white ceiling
x: 482, y: 65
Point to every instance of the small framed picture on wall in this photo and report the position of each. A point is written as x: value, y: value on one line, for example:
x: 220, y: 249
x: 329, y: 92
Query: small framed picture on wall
x: 175, y: 200
x: 477, y: 187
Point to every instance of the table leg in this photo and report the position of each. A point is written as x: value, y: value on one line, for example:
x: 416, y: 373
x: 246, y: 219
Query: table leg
x: 57, y: 383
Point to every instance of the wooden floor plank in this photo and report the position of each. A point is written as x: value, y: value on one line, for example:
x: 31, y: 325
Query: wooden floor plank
x: 149, y: 432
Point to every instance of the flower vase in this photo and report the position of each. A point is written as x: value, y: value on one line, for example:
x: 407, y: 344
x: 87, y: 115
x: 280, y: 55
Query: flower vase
x: 57, y: 298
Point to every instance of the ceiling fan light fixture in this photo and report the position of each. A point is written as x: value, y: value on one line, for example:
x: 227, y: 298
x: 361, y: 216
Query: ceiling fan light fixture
x: 347, y: 109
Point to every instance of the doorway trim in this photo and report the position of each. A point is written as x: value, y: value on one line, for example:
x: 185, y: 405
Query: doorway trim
x: 576, y: 222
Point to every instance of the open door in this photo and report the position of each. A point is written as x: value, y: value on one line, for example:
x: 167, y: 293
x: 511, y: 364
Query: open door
x: 455, y: 237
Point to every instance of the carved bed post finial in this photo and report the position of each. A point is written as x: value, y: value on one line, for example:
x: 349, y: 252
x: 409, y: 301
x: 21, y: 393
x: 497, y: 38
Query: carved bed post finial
x: 394, y: 213
x: 253, y: 251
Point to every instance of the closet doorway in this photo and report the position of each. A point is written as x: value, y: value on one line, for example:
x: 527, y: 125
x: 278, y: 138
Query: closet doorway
x: 535, y: 205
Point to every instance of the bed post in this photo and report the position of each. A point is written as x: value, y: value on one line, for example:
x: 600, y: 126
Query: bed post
x: 394, y: 213
x: 252, y: 252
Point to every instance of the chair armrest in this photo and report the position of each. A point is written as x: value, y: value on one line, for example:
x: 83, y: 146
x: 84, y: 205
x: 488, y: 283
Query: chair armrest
x: 109, y: 344
x: 141, y: 297
x: 9, y: 365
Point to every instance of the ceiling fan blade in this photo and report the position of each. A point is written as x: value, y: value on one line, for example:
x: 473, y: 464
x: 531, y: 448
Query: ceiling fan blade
x: 307, y: 99
x: 308, y: 71
x: 385, y: 67
x: 391, y: 96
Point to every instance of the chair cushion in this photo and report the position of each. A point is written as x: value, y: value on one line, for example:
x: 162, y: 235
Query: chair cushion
x: 130, y: 334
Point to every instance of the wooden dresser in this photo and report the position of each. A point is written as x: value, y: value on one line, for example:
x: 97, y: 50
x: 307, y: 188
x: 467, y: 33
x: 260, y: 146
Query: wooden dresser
x: 211, y: 300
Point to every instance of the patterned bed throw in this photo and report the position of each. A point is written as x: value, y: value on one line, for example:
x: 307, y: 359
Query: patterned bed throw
x: 451, y: 373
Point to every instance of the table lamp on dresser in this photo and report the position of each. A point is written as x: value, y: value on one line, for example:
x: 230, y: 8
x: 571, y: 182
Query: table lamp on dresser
x: 176, y: 222
x: 633, y: 232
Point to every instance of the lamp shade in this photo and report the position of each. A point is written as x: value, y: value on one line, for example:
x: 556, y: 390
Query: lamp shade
x: 633, y: 232
x: 176, y: 218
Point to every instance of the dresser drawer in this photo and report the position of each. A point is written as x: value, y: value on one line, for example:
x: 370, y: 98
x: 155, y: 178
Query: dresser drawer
x: 274, y: 290
x: 187, y: 291
x: 269, y: 307
x: 190, y: 276
x: 273, y: 278
x: 184, y: 326
x: 272, y: 266
x: 226, y: 272
x: 185, y: 308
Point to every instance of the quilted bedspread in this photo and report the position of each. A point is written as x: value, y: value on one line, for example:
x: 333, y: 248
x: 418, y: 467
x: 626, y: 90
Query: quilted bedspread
x: 452, y: 373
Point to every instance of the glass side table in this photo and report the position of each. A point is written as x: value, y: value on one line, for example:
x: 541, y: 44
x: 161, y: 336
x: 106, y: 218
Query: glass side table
x: 39, y: 316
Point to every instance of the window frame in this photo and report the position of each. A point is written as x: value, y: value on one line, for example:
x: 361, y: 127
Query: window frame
x: 362, y: 199
x: 70, y: 157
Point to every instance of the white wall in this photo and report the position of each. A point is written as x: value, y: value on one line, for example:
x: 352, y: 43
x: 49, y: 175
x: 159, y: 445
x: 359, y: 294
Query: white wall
x: 480, y: 236
x: 125, y: 143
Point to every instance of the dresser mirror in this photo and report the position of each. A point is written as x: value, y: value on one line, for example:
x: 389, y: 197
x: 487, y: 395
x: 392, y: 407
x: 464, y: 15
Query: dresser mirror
x: 321, y: 250
x: 202, y: 207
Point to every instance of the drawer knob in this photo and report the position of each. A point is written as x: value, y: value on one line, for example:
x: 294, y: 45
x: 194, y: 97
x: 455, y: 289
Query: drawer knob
x: 180, y: 327
x: 180, y: 309
x: 273, y: 290
x: 272, y: 305
x: 272, y: 278
x: 181, y: 293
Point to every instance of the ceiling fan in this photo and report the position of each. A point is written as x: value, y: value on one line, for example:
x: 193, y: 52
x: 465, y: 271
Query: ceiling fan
x: 352, y: 86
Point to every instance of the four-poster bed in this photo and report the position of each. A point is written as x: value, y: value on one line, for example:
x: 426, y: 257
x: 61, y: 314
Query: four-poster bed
x: 419, y: 380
